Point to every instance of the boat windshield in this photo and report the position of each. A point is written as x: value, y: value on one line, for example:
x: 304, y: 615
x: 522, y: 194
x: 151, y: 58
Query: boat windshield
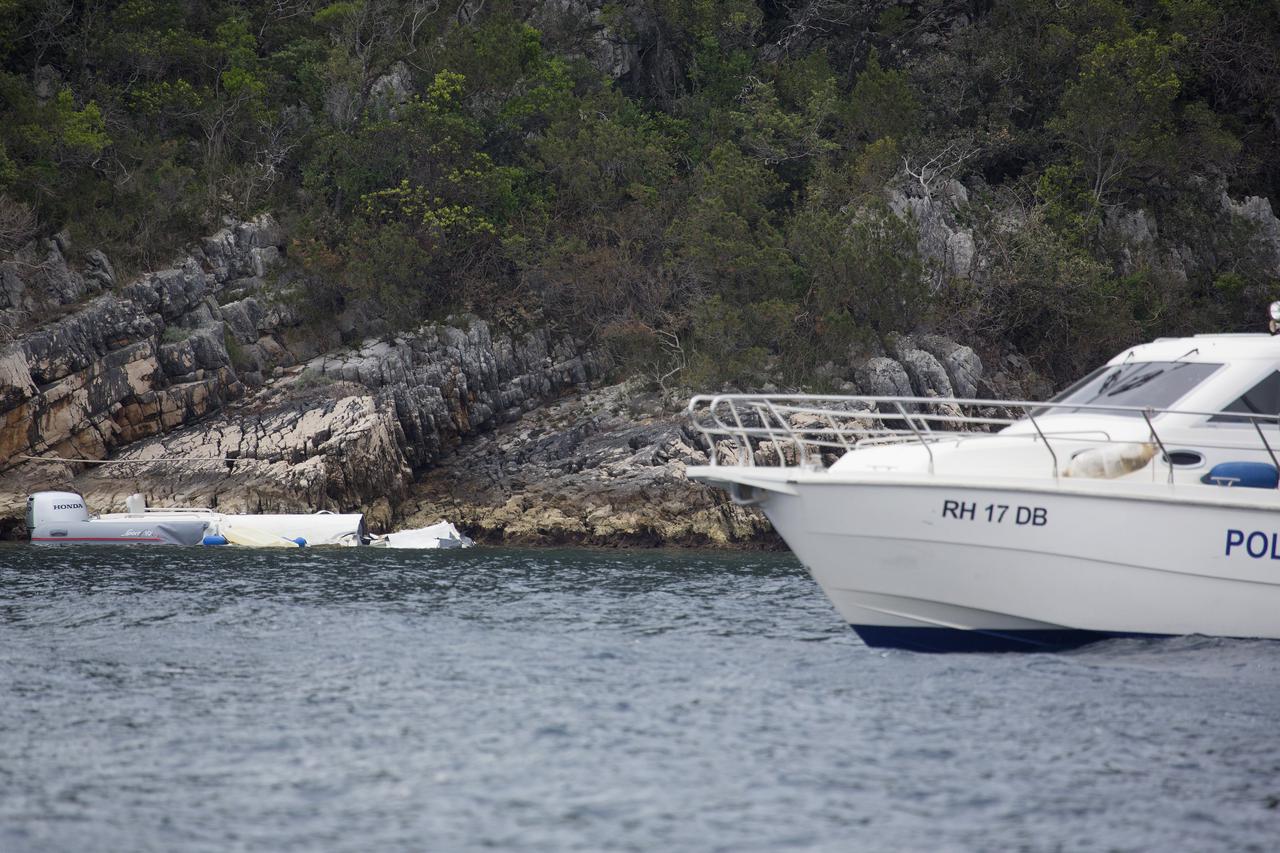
x: 1142, y: 384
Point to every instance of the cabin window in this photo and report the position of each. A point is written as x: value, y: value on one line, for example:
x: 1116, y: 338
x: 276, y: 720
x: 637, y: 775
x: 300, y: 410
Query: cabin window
x: 1261, y: 399
x: 1145, y: 384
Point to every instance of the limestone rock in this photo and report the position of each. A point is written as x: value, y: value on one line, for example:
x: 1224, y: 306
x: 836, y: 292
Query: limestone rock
x: 928, y: 378
x: 587, y: 470
x: 237, y: 250
x: 1257, y: 211
x: 392, y: 89
x: 346, y: 431
x: 16, y: 383
x: 99, y: 270
x: 884, y: 377
x: 1132, y: 227
x: 1134, y: 235
x: 50, y: 280
x: 103, y: 374
x: 583, y: 23
x: 203, y: 349
x: 961, y: 363
x: 75, y: 342
x: 244, y: 319
x: 959, y: 254
x: 942, y: 241
x: 338, y: 452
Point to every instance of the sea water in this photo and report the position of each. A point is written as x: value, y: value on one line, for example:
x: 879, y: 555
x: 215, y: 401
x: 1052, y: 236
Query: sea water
x: 177, y: 699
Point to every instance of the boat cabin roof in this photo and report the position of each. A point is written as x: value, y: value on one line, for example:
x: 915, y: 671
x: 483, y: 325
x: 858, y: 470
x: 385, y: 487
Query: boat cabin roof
x: 1206, y: 348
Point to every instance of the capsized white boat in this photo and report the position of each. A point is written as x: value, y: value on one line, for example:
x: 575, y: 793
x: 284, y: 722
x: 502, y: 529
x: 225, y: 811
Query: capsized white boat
x: 1143, y: 500
x: 439, y: 535
x: 63, y: 517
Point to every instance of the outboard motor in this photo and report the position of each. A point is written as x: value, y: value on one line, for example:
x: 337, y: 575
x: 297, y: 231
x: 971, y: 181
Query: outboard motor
x: 47, y: 508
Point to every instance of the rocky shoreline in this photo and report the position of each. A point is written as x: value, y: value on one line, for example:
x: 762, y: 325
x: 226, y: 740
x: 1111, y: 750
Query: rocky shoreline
x: 200, y: 385
x: 603, y: 468
x: 203, y: 386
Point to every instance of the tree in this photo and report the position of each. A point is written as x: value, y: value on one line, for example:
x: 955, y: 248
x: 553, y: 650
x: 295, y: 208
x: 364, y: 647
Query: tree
x: 17, y: 223
x: 1043, y: 295
x: 1118, y: 116
x: 882, y: 104
x: 727, y: 239
x: 862, y: 270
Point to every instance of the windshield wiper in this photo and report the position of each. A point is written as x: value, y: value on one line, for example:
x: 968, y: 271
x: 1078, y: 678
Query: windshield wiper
x: 1136, y: 382
x: 1107, y: 383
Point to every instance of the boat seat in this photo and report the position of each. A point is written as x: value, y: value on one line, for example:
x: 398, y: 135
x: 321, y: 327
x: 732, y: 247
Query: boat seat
x: 1253, y: 475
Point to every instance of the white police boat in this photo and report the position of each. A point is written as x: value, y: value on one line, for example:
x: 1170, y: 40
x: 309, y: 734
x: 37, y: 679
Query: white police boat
x: 63, y: 518
x: 1142, y: 501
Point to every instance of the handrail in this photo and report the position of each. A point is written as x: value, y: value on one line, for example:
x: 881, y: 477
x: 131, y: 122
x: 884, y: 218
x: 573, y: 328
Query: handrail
x: 1164, y: 452
x: 819, y: 425
x: 927, y: 448
x: 162, y: 510
x: 972, y: 402
x: 1047, y: 446
x: 1267, y: 445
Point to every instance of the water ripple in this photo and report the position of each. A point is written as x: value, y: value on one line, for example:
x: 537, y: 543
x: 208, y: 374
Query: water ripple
x: 171, y: 699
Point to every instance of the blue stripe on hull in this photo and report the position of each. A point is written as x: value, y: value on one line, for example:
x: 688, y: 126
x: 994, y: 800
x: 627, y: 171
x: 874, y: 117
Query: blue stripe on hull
x: 956, y: 640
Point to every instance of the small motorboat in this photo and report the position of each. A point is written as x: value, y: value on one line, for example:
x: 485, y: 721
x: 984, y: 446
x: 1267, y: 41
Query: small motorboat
x: 1142, y: 501
x: 63, y: 518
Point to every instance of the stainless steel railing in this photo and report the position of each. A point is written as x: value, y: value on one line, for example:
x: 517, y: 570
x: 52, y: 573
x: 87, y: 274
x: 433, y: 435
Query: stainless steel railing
x: 812, y: 430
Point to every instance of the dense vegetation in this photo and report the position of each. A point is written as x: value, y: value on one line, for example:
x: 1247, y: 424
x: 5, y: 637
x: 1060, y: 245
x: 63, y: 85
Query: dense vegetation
x: 717, y: 205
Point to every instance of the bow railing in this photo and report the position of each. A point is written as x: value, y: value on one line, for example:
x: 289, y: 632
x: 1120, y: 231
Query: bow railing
x: 813, y: 430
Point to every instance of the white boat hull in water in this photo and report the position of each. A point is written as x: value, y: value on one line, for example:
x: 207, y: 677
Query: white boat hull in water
x: 62, y: 518
x: 952, y: 566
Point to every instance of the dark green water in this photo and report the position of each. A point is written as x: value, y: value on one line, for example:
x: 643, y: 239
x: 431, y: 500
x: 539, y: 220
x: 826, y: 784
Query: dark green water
x: 188, y: 699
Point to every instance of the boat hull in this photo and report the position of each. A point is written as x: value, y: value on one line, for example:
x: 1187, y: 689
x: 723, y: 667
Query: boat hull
x: 63, y: 518
x: 137, y: 531
x: 948, y: 566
